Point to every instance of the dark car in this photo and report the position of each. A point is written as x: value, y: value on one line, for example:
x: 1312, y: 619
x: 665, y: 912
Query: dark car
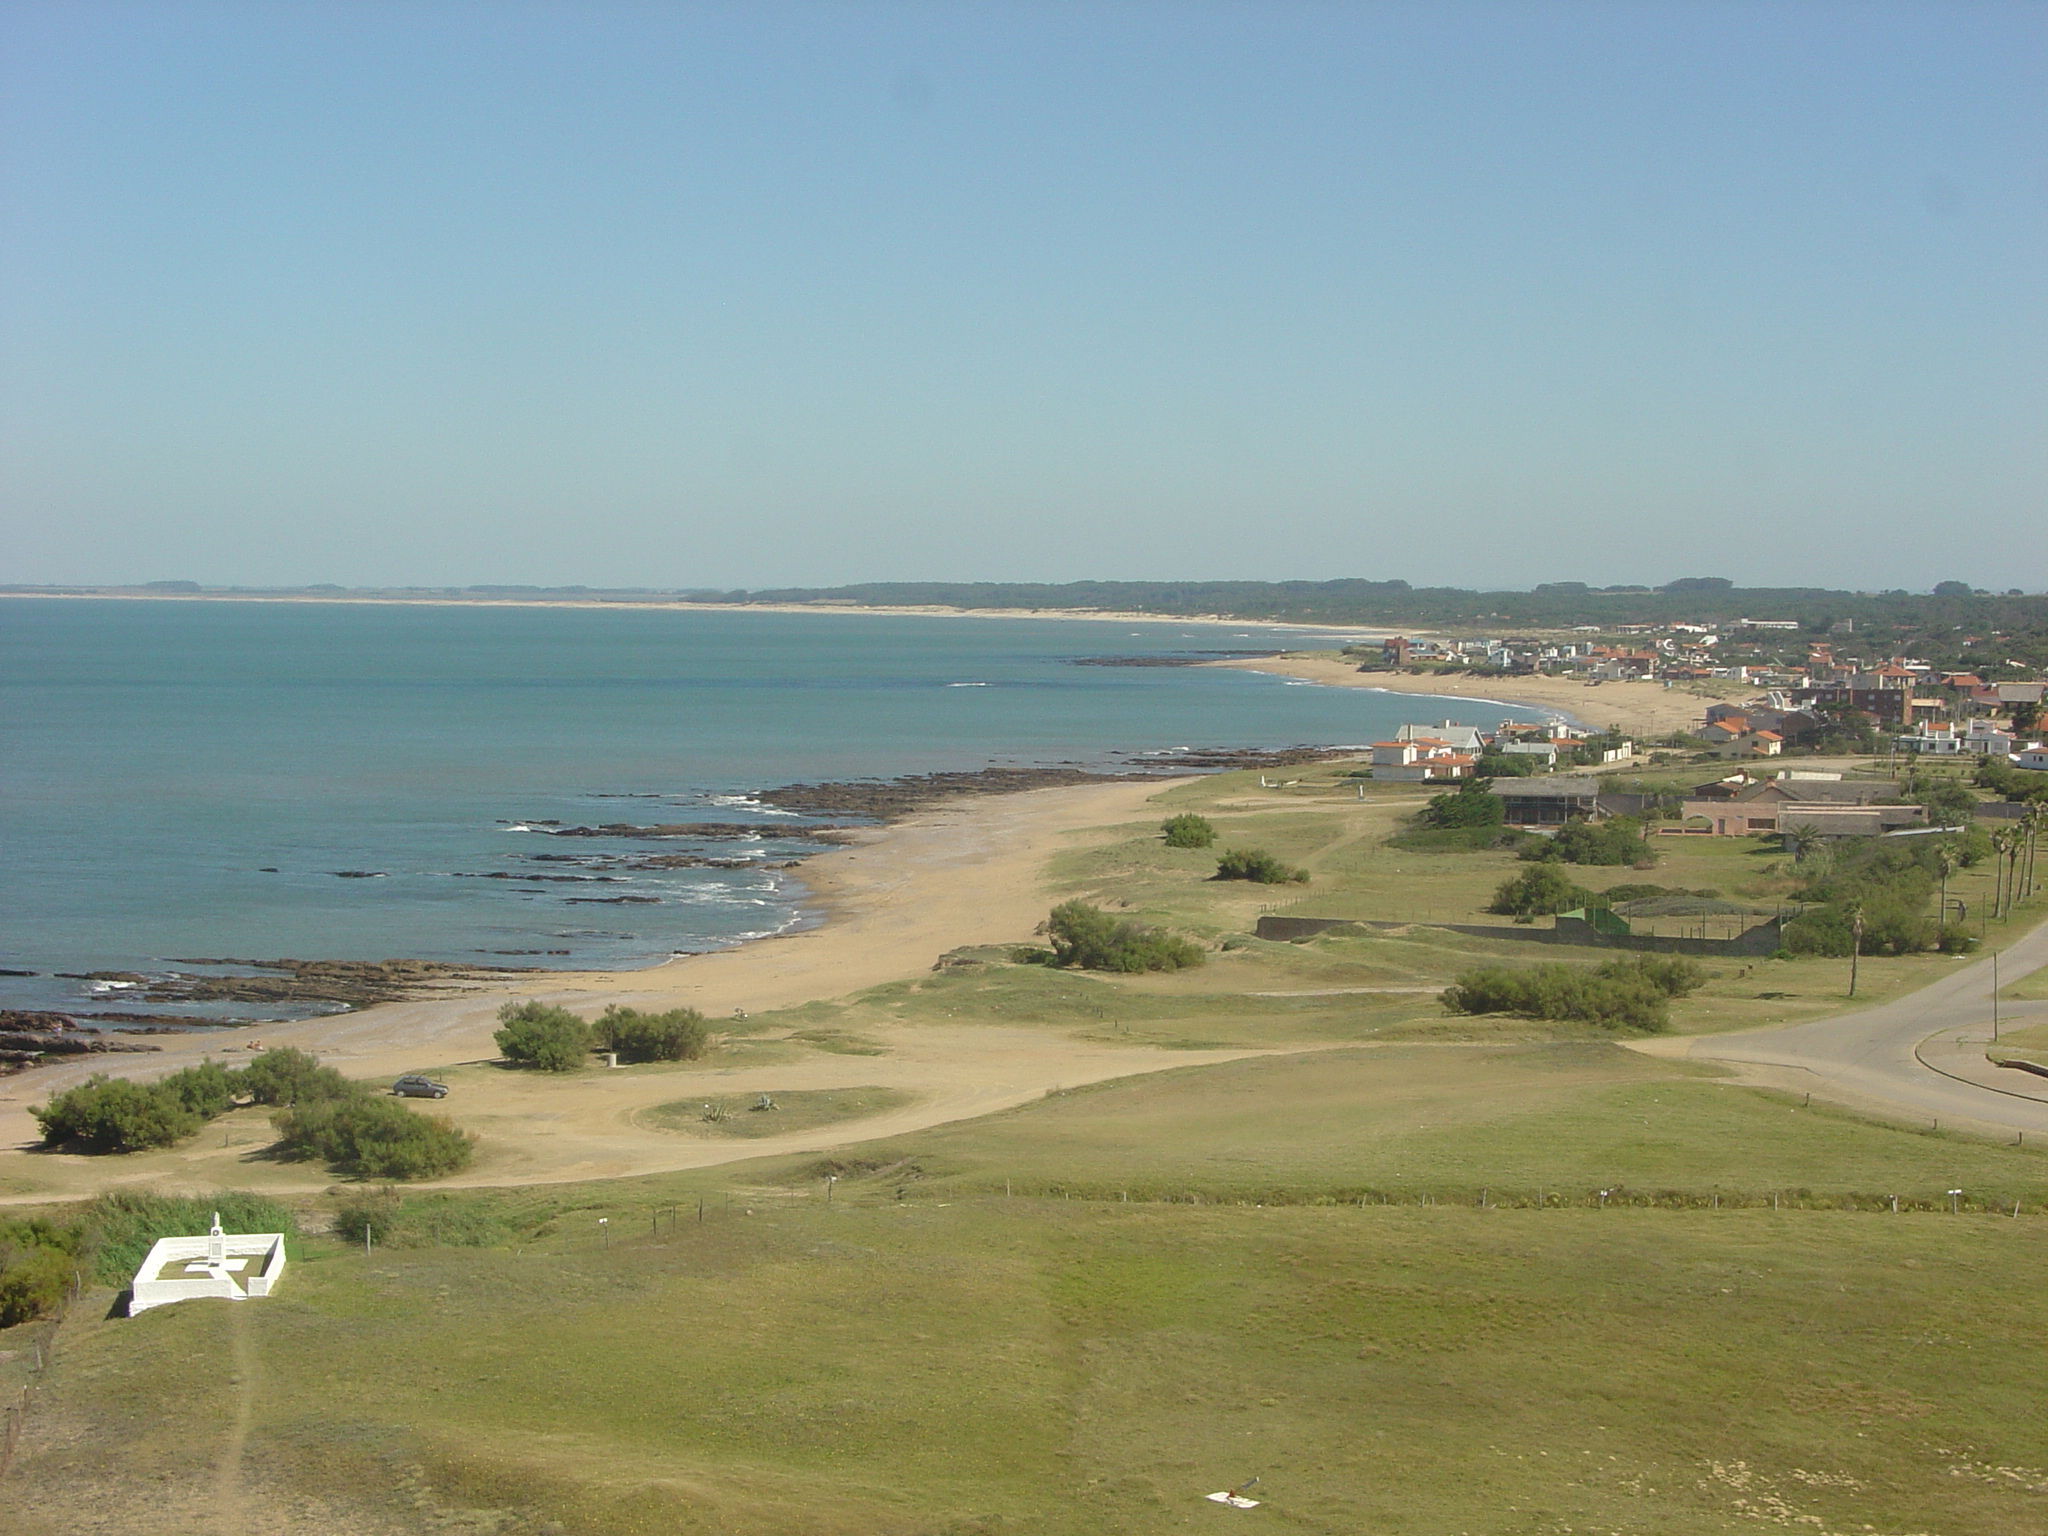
x: 414, y: 1086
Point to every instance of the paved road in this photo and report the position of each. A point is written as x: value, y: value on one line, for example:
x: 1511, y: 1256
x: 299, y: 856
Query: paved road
x: 1921, y: 1057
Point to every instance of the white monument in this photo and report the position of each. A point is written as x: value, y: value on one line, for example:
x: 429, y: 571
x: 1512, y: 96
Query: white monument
x: 234, y: 1265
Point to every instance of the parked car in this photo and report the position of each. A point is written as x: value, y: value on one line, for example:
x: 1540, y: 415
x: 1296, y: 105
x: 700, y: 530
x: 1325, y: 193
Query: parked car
x: 414, y: 1086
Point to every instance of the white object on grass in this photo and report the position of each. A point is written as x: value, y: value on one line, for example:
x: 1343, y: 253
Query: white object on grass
x: 1234, y: 1500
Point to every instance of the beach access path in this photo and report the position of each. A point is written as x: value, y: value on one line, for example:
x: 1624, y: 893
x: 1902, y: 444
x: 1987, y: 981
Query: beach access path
x: 1641, y: 709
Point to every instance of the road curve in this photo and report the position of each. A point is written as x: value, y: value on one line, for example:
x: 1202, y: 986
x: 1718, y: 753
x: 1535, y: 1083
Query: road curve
x: 1920, y: 1058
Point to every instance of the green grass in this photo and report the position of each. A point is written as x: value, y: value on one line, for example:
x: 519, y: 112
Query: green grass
x: 1524, y: 1123
x: 1066, y: 1367
x: 799, y: 1109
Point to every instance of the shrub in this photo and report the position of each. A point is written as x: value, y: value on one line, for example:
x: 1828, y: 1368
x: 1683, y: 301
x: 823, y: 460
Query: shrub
x: 1474, y: 804
x: 1619, y: 841
x: 120, y: 1227
x: 206, y: 1090
x: 370, y: 1213
x: 289, y: 1076
x: 540, y: 1035
x: 1188, y: 831
x: 1537, y: 891
x: 1091, y: 939
x: 1259, y: 865
x: 420, y: 1221
x: 1627, y: 994
x: 33, y: 1279
x: 111, y: 1114
x: 374, y: 1138
x: 678, y: 1035
x: 1458, y: 839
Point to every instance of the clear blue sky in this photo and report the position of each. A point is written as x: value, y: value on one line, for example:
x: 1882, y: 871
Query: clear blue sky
x: 754, y: 293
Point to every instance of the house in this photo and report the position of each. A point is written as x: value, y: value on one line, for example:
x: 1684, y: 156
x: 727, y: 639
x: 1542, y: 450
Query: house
x: 1729, y: 808
x: 1545, y: 752
x: 1549, y: 802
x: 1944, y: 738
x: 1420, y: 760
x: 2034, y: 757
x: 1460, y: 738
x: 1751, y: 744
x: 1850, y: 820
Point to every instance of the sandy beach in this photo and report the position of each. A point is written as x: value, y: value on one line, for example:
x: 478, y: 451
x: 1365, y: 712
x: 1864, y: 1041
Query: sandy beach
x: 1642, y: 709
x: 935, y: 611
x: 971, y: 873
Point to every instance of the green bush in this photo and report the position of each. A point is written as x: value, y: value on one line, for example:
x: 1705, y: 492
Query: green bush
x: 1538, y: 891
x: 367, y: 1213
x: 33, y: 1280
x: 289, y: 1076
x: 120, y: 1227
x: 1258, y: 865
x: 1459, y: 839
x: 207, y: 1090
x: 1473, y: 804
x: 1188, y: 831
x: 1628, y: 994
x: 1619, y: 841
x: 1089, y: 938
x: 111, y: 1114
x: 373, y: 1138
x: 678, y: 1035
x: 540, y: 1035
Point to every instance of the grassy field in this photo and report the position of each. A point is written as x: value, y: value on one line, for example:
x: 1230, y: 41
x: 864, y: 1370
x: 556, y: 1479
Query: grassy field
x: 925, y: 1354
x: 741, y: 1115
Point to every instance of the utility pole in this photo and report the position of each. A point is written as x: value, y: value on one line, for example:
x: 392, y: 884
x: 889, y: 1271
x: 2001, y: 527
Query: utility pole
x: 1855, y: 945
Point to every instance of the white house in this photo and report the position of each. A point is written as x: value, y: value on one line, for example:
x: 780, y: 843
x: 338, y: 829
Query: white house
x: 1459, y: 738
x: 1420, y: 761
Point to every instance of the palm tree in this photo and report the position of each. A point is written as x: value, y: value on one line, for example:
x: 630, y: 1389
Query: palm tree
x: 1945, y: 861
x: 1802, y: 840
x: 2003, y: 843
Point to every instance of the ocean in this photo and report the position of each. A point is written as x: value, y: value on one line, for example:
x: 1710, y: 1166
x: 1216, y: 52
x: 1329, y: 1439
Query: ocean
x: 206, y: 780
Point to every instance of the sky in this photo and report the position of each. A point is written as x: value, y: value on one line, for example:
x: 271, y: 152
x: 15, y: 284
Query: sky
x: 750, y: 294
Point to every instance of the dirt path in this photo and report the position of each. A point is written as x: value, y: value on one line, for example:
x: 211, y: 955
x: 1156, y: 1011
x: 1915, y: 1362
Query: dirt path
x: 230, y: 1506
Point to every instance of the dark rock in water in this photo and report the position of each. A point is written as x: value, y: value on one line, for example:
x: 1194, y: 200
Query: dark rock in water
x: 37, y: 1019
x: 1184, y: 659
x: 357, y: 874
x: 506, y: 874
x: 887, y: 799
x: 348, y: 983
x: 267, y: 869
x: 6, y: 972
x: 612, y: 901
x: 1219, y: 759
x: 708, y: 830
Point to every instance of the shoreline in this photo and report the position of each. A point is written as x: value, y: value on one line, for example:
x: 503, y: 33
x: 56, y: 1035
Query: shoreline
x: 886, y: 906
x: 684, y: 605
x: 1641, y: 709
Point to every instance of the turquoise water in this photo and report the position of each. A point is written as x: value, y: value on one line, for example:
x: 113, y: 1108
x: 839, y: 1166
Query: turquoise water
x: 185, y: 779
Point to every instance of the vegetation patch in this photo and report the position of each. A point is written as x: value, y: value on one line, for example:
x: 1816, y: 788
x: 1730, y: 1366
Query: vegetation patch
x: 1626, y: 994
x: 1188, y: 830
x: 1259, y: 866
x: 773, y: 1114
x: 1091, y: 939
